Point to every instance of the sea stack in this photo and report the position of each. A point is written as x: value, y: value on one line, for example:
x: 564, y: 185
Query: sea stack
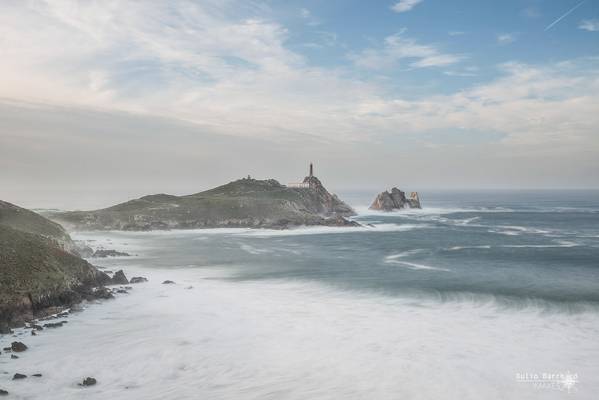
x: 395, y: 200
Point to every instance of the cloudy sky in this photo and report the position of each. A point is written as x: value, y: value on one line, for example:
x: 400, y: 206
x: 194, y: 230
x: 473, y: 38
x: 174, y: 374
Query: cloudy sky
x: 101, y: 101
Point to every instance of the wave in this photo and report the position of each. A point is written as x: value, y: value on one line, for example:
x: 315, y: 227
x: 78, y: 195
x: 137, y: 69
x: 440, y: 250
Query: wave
x: 559, y: 244
x: 394, y: 259
x: 328, y: 230
x: 364, y: 211
x: 406, y: 253
x: 416, y: 266
x: 254, y: 250
x: 455, y: 248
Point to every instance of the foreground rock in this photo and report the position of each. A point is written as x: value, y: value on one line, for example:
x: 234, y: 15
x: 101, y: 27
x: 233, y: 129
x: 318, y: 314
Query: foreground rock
x: 119, y: 278
x: 38, y: 275
x: 138, y: 279
x: 18, y: 347
x: 3, y: 392
x: 243, y: 203
x: 167, y: 282
x: 109, y: 253
x: 55, y: 324
x: 395, y: 200
x: 18, y: 376
x: 88, y: 382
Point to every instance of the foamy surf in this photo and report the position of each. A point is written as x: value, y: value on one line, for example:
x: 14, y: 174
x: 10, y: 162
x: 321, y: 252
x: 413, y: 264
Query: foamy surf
x: 297, y: 340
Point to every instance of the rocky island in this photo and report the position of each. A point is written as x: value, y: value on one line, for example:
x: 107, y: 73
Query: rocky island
x: 245, y: 202
x: 395, y: 200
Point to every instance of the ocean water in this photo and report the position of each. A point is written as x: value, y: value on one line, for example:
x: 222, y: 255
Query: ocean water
x: 478, y: 295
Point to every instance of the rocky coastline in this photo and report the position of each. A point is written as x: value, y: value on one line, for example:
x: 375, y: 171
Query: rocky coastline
x: 41, y: 271
x: 244, y: 203
x: 395, y: 200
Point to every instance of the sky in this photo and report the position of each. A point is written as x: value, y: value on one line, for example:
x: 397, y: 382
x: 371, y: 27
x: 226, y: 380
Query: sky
x: 103, y: 101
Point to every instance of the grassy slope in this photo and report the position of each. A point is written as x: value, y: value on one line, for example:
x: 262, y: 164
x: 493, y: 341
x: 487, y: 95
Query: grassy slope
x: 35, y: 273
x: 242, y: 202
x: 31, y: 222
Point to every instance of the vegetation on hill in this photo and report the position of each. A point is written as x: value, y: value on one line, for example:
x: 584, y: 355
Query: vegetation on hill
x: 37, y: 271
x: 242, y: 203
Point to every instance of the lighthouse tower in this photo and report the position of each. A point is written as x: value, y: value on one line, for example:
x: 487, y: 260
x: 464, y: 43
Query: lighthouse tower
x: 311, y: 170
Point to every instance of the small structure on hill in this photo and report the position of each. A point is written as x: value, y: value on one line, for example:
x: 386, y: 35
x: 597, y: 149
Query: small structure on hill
x: 308, y: 181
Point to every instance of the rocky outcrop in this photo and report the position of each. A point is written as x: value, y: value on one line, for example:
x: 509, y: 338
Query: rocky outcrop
x: 248, y: 203
x: 103, y: 253
x: 28, y: 221
x: 119, y: 278
x: 395, y: 200
x: 38, y: 273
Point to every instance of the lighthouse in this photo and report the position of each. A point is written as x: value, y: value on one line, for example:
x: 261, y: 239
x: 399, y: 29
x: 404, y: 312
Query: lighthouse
x: 311, y: 170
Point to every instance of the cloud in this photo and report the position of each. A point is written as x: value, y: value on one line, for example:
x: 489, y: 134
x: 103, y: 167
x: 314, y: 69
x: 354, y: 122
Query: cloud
x: 591, y: 25
x: 397, y: 49
x: 228, y: 70
x: 540, y: 109
x: 405, y: 5
x: 506, y: 38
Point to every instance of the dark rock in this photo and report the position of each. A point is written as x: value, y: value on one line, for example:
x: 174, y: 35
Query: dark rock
x: 3, y: 392
x: 119, y: 278
x: 18, y: 347
x: 138, y: 279
x: 12, y: 356
x: 37, y: 327
x: 103, y: 293
x: 7, y: 348
x: 123, y: 291
x: 33, y: 333
x: 395, y: 200
x: 167, y: 282
x: 4, y: 328
x: 109, y: 253
x: 88, y: 382
x: 37, y: 375
x: 18, y: 376
x: 54, y: 324
x: 339, y: 221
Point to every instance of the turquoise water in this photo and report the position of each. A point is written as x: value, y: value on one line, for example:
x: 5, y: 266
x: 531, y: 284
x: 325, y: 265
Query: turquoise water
x: 456, y: 301
x: 511, y: 247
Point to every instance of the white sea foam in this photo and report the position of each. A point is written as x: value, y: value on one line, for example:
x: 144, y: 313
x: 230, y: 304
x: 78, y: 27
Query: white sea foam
x: 327, y: 230
x: 406, y: 253
x: 254, y: 250
x: 293, y: 340
x: 102, y: 237
x: 396, y: 259
x: 364, y: 211
x: 456, y: 248
x: 416, y: 266
x: 559, y: 243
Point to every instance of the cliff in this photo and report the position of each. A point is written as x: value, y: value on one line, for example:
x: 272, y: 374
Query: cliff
x: 242, y: 203
x: 37, y: 273
x: 395, y: 200
x: 28, y: 221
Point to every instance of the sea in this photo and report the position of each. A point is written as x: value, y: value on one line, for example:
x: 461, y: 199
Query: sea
x: 479, y: 295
